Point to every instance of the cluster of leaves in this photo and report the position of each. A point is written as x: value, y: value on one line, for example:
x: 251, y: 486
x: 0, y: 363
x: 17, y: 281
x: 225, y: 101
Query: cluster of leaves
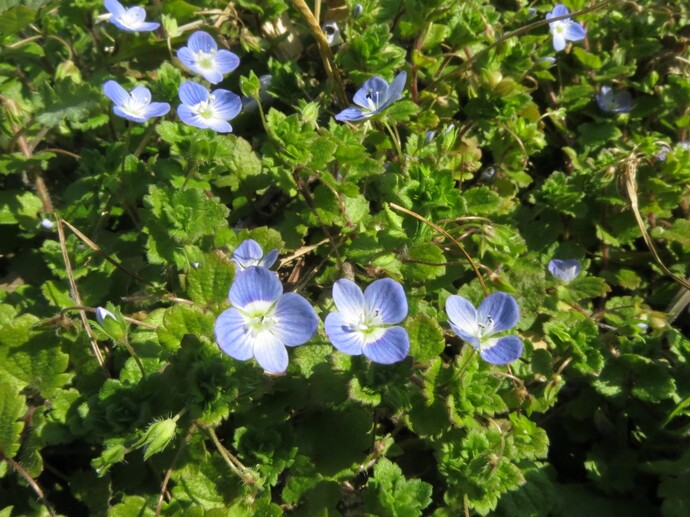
x: 143, y: 414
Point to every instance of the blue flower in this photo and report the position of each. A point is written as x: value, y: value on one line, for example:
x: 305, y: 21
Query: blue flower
x: 135, y: 106
x: 201, y: 56
x: 565, y: 270
x: 132, y: 19
x: 362, y: 323
x: 373, y: 97
x: 665, y: 149
x: 619, y: 102
x: 564, y: 30
x: 263, y: 320
x: 498, y: 312
x: 212, y: 110
x: 102, y: 314
x: 249, y: 254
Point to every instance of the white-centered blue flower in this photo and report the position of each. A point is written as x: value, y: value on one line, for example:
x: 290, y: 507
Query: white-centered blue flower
x: 373, y: 97
x: 564, y: 30
x: 249, y: 254
x: 212, y: 110
x: 263, y: 320
x: 135, y: 105
x: 130, y: 19
x: 363, y: 322
x: 201, y: 56
x: 565, y: 270
x: 497, y: 313
x: 610, y: 102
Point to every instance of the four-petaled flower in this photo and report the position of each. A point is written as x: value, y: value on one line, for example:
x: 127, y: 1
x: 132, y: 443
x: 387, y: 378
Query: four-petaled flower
x: 564, y: 30
x: 363, y: 322
x: 498, y: 312
x: 565, y: 270
x: 212, y: 110
x: 135, y: 106
x: 263, y: 320
x: 619, y: 102
x: 373, y: 97
x: 249, y: 254
x: 132, y: 19
x: 201, y: 56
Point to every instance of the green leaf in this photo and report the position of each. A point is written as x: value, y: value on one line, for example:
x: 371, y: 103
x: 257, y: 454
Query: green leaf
x: 426, y: 337
x: 15, y: 19
x: 20, y: 207
x: 210, y: 282
x: 12, y: 408
x: 390, y: 494
x: 424, y: 261
x: 587, y: 58
x: 180, y: 320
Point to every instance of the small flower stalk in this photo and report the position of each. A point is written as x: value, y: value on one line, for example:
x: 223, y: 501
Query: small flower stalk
x: 263, y: 320
x: 478, y: 326
x: 366, y: 323
x: 373, y: 97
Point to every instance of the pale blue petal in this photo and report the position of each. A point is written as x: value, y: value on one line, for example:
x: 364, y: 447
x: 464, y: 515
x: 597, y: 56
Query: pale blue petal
x: 558, y: 42
x: 560, y: 10
x: 232, y: 335
x: 269, y: 259
x: 212, y: 76
x: 352, y: 115
x: 395, y: 90
x: 339, y: 331
x: 226, y: 104
x: 146, y: 26
x: 201, y: 41
x: 348, y: 299
x: 141, y: 94
x: 190, y: 117
x: 502, y: 309
x: 114, y: 7
x: 366, y: 96
x: 115, y: 92
x: 157, y: 109
x: 386, y: 297
x: 192, y: 93
x: 390, y: 348
x: 565, y: 270
x: 121, y: 113
x: 270, y: 353
x: 465, y: 336
x: 255, y: 284
x: 226, y: 61
x: 187, y: 57
x: 575, y: 32
x: 218, y: 125
x: 137, y: 14
x: 248, y: 253
x: 116, y: 22
x: 506, y: 350
x: 296, y: 321
x: 462, y: 316
x: 623, y: 102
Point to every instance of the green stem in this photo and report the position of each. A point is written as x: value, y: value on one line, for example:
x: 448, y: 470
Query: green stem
x: 396, y: 141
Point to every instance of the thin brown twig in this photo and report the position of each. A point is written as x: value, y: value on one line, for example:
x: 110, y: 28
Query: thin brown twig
x: 31, y: 481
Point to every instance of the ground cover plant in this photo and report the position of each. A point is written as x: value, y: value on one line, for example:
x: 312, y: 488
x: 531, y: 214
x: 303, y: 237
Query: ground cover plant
x: 389, y: 257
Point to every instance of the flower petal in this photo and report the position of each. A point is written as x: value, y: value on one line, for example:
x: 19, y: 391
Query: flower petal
x: 115, y: 92
x: 506, y: 350
x: 146, y: 26
x: 502, y: 309
x: 255, y: 284
x: 558, y: 42
x: 218, y: 125
x: 339, y: 331
x: 156, y: 109
x: 387, y: 298
x: 125, y: 114
x: 190, y: 118
x: 374, y: 89
x: 296, y: 321
x: 232, y: 335
x: 352, y: 114
x: 270, y: 353
x: 395, y: 90
x: 390, y: 348
x: 212, y: 76
x: 185, y: 55
x: 226, y: 61
x: 227, y: 104
x: 462, y: 316
x: 269, y: 259
x: 201, y: 41
x: 348, y: 299
x: 575, y: 32
x: 560, y: 10
x: 623, y: 102
x: 192, y: 93
x: 248, y: 253
x: 137, y: 14
x: 141, y: 94
x: 114, y: 7
x: 565, y: 270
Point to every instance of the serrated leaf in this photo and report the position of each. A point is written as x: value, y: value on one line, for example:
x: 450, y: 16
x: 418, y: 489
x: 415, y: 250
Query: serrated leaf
x: 181, y: 320
x: 426, y: 337
x: 12, y: 408
x: 389, y: 493
x: 210, y: 282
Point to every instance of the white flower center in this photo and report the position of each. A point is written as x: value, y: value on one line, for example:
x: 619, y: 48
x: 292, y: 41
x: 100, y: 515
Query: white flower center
x: 368, y: 325
x: 206, y: 60
x: 259, y: 317
x: 134, y: 107
x: 560, y: 27
x: 129, y: 19
x: 205, y: 108
x: 485, y: 328
x: 373, y: 98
